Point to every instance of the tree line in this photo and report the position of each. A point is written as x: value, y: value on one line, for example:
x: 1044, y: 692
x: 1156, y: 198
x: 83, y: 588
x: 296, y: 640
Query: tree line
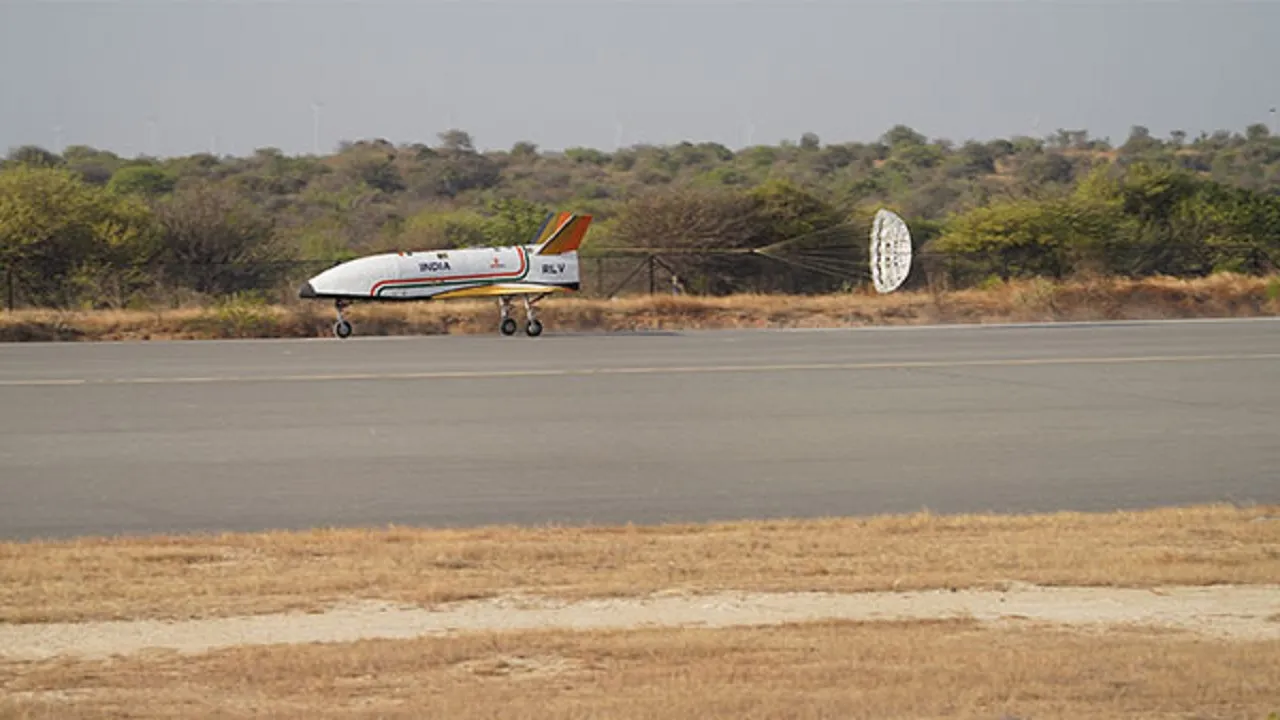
x: 86, y: 227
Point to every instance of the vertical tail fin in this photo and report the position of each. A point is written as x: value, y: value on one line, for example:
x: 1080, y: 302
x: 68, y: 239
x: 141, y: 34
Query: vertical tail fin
x: 567, y: 236
x: 549, y: 226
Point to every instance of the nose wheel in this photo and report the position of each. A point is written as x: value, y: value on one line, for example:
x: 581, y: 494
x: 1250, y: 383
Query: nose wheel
x: 342, y: 328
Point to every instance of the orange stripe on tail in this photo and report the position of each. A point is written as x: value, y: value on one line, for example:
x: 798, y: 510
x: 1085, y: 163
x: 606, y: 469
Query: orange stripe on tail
x: 568, y: 236
x: 551, y: 224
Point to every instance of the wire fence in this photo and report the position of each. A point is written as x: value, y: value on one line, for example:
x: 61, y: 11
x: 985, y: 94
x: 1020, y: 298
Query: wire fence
x: 668, y: 271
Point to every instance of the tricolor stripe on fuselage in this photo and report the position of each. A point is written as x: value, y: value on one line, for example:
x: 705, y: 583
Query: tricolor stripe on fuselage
x: 406, y: 283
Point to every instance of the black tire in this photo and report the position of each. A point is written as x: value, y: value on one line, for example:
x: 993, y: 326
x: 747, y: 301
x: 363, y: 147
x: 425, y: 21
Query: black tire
x: 534, y: 329
x: 342, y: 329
x: 508, y: 326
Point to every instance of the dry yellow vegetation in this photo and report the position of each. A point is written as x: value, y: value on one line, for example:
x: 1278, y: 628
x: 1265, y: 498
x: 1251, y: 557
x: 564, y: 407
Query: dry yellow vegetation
x: 953, y: 668
x: 237, y: 574
x: 1222, y: 295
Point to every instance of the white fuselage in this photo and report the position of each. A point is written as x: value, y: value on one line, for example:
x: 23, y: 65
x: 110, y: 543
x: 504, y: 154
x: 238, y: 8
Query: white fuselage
x: 424, y: 274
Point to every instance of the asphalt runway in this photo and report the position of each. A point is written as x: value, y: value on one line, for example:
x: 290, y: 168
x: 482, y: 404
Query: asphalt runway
x: 108, y: 438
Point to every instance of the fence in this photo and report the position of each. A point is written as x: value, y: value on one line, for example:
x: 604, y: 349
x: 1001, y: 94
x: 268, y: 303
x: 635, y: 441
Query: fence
x: 840, y: 269
x: 631, y: 271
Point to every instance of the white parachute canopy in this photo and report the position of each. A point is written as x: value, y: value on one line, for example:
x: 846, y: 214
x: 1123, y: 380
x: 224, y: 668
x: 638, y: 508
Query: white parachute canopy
x: 890, y: 251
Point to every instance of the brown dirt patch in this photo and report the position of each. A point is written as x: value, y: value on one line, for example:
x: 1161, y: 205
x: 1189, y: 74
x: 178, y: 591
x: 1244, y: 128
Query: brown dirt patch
x: 1217, y: 611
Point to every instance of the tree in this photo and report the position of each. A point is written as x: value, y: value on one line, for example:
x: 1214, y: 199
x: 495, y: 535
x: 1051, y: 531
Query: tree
x: 34, y: 156
x: 705, y: 218
x: 1140, y: 141
x: 67, y: 241
x: 379, y: 174
x: 1257, y: 132
x: 1048, y: 168
x: 787, y: 211
x: 1187, y: 225
x: 1026, y: 237
x: 524, y: 150
x: 513, y: 221
x: 146, y: 180
x: 442, y: 230
x: 587, y: 156
x: 976, y: 159
x: 453, y: 174
x: 376, y: 194
x: 712, y: 220
x: 456, y: 141
x: 902, y: 135
x: 214, y: 242
x: 1023, y: 145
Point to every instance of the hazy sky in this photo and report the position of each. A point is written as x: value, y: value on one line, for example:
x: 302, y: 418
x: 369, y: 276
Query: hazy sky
x: 186, y: 75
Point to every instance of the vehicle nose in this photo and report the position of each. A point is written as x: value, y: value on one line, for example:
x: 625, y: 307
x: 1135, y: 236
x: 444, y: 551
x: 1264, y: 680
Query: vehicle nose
x: 307, y: 291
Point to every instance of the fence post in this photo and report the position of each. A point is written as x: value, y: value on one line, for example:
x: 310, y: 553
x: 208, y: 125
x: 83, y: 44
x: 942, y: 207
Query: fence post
x: 8, y: 284
x: 653, y: 288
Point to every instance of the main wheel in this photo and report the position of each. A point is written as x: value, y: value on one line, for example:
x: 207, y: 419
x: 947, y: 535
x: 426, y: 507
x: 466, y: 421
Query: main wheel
x: 534, y: 329
x: 508, y: 326
x: 342, y: 329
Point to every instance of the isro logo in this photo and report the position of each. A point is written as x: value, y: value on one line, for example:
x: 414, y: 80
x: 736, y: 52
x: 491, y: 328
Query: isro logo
x: 433, y: 265
x: 552, y: 268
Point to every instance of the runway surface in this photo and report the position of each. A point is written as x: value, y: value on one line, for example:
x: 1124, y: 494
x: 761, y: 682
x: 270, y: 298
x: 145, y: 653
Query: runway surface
x: 207, y: 436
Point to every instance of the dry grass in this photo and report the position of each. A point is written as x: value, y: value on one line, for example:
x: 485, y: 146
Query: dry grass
x: 953, y: 669
x: 233, y: 574
x: 1223, y: 295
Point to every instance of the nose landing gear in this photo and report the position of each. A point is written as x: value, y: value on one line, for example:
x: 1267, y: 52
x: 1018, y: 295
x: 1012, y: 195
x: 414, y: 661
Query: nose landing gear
x: 342, y: 328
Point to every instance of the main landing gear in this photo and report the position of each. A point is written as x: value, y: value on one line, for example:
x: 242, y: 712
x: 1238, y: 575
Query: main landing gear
x: 342, y: 328
x: 508, y: 325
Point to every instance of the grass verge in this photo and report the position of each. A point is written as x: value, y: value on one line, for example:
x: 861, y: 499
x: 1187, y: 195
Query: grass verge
x: 239, y: 574
x: 955, y: 669
x: 1222, y: 295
